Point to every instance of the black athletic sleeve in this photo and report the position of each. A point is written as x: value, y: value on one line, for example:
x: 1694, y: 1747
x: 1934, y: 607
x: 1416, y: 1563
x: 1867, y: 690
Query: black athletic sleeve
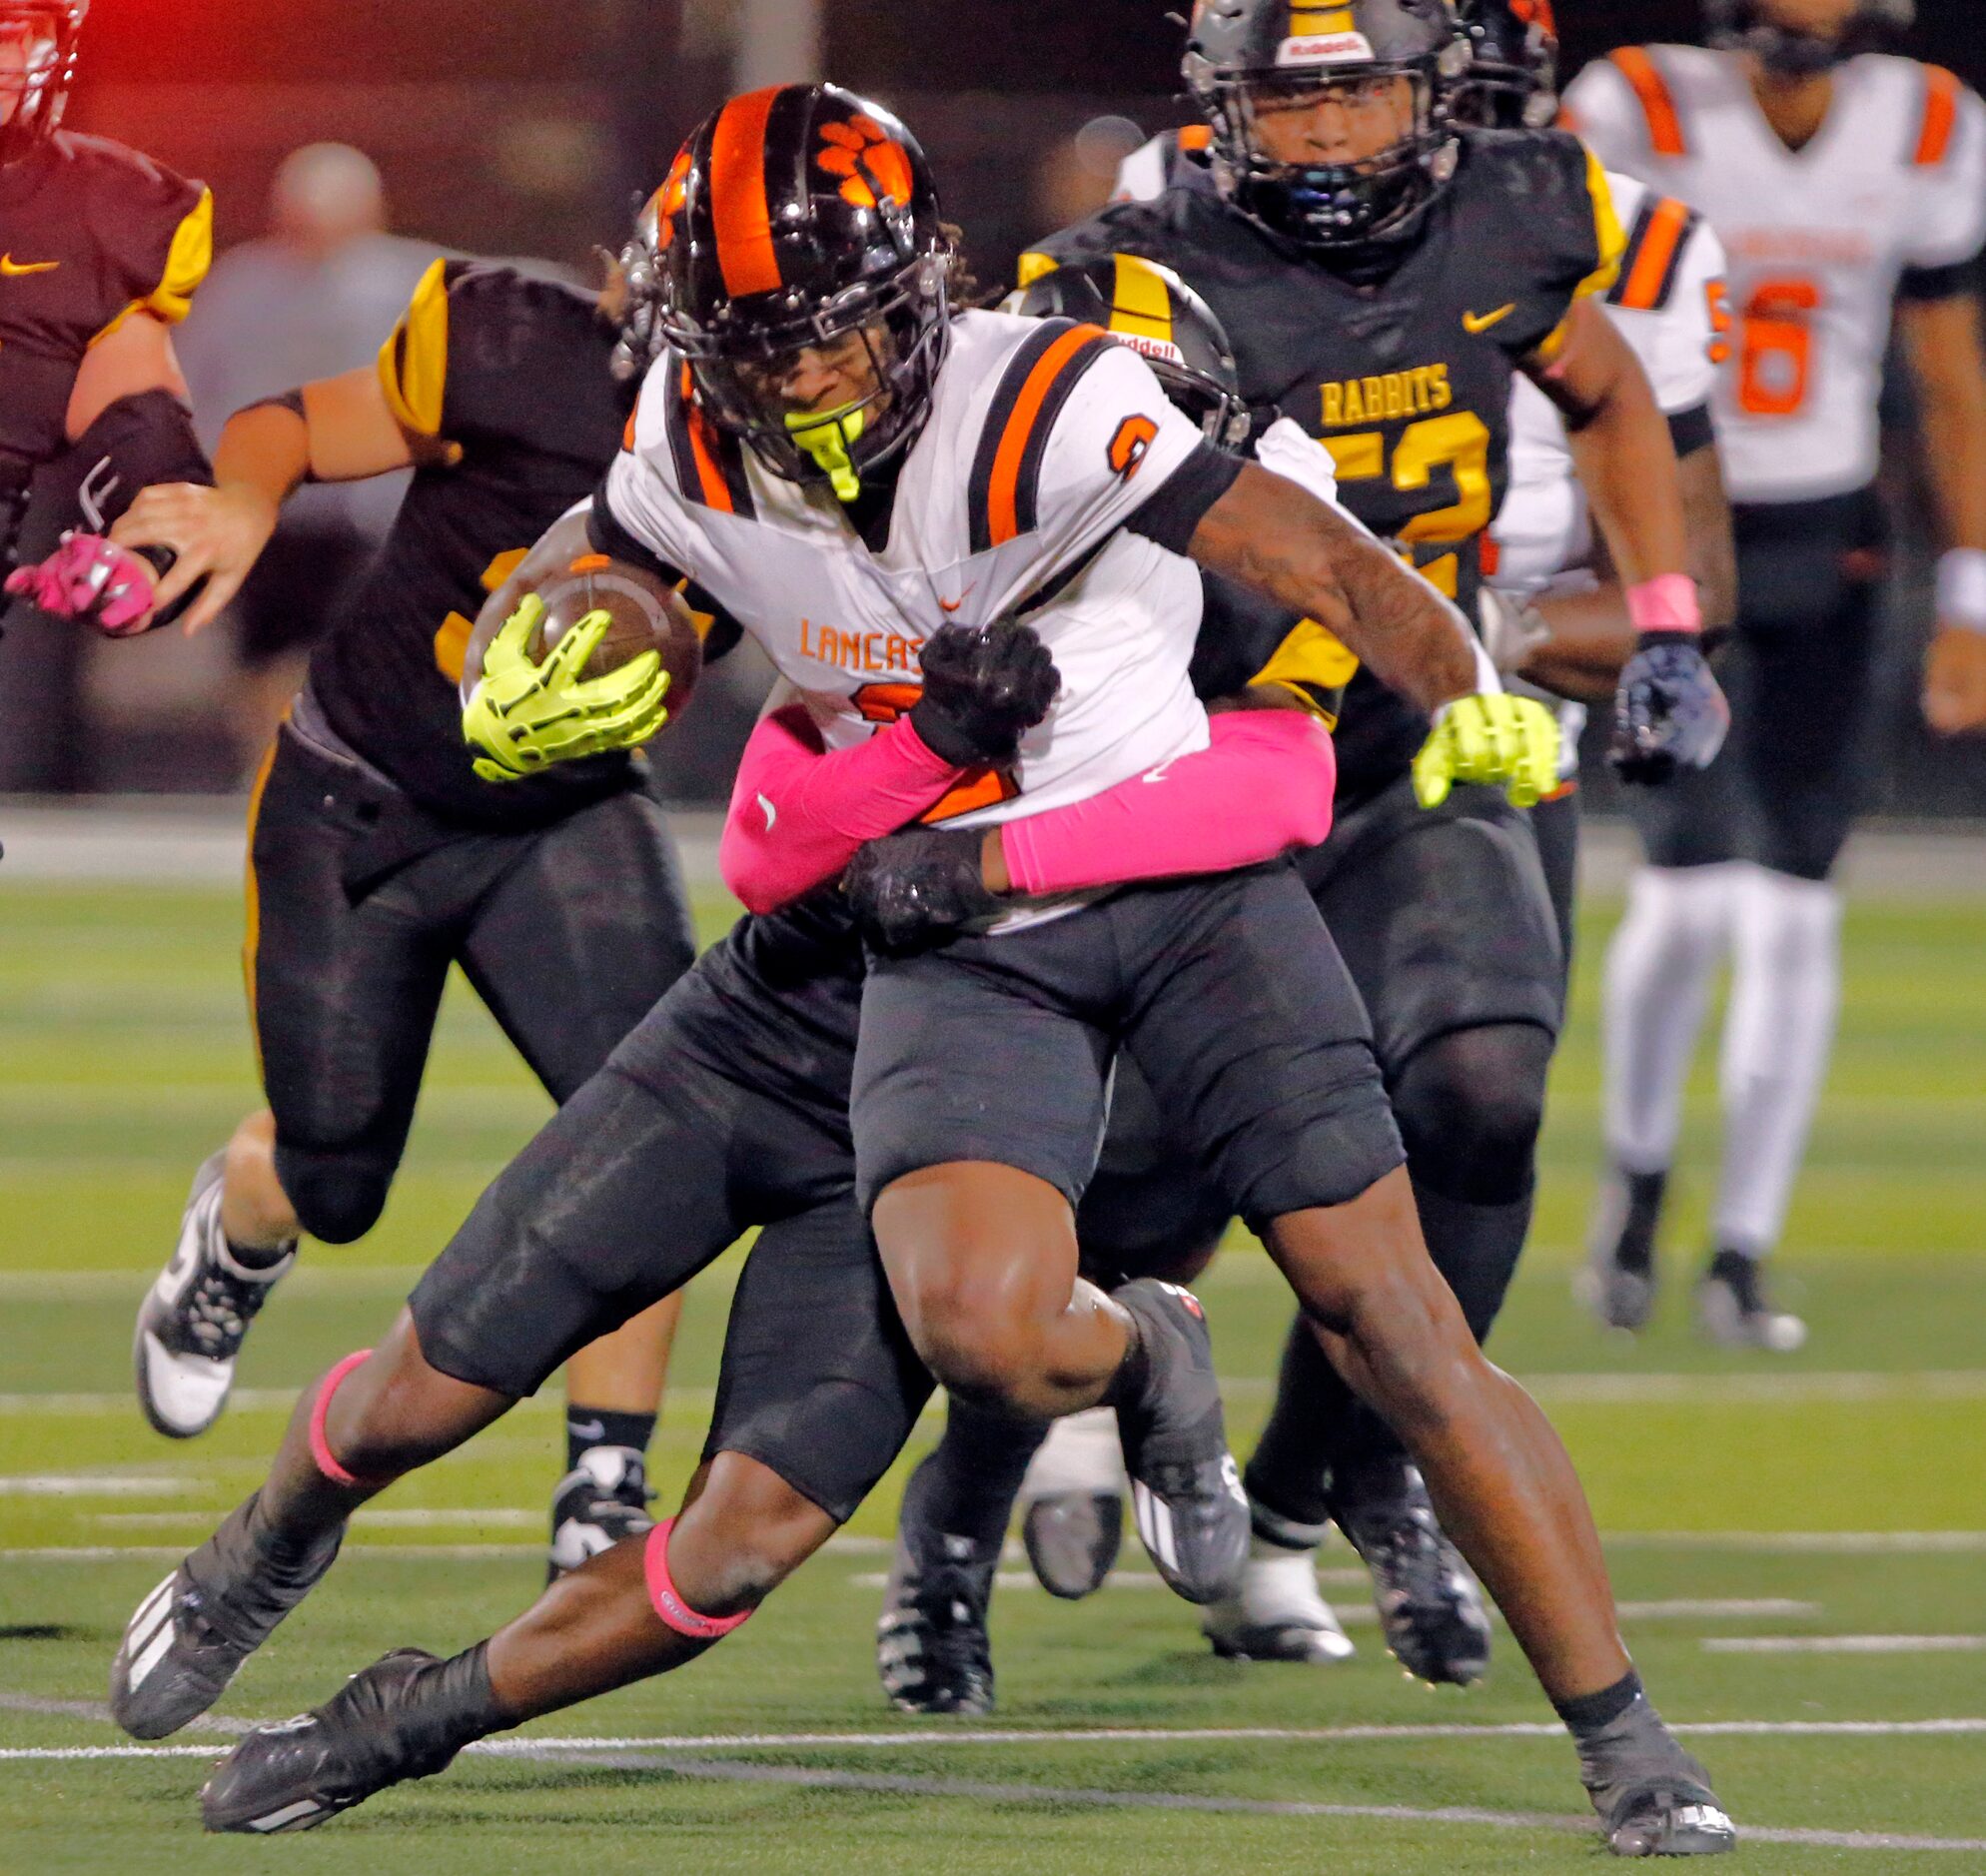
x: 1175, y: 508
x: 1691, y: 431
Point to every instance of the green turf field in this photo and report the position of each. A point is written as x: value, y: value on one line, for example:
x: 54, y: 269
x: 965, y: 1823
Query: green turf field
x: 1838, y: 1494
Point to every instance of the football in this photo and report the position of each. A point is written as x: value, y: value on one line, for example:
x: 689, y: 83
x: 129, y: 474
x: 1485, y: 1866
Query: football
x: 647, y: 616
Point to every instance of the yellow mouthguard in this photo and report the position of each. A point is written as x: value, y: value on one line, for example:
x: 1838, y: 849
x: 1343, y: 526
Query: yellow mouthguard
x: 827, y: 436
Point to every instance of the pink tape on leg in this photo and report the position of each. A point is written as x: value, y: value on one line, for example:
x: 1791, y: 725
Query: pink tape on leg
x: 320, y: 1452
x: 667, y: 1602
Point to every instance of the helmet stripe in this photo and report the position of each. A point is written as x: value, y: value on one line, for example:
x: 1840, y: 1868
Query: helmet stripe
x: 1664, y: 122
x: 1940, y: 117
x: 739, y: 210
x: 1140, y: 303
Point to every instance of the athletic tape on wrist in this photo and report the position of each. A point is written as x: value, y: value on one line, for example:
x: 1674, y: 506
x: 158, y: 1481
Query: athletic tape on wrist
x: 1962, y: 589
x: 666, y: 1601
x: 321, y: 1452
x: 1667, y: 604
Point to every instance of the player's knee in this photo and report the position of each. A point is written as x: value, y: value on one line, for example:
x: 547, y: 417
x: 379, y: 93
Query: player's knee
x: 1469, y: 1105
x: 744, y: 1535
x: 979, y: 1356
x: 334, y: 1201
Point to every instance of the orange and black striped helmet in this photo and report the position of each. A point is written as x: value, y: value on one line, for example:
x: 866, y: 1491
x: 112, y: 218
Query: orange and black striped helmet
x: 1513, y: 78
x: 1157, y: 315
x: 37, y: 67
x: 794, y: 216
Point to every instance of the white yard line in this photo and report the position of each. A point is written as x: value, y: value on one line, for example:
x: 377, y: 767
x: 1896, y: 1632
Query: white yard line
x: 650, y: 1756
x: 91, y: 1486
x: 508, y: 1518
x: 1844, y: 1644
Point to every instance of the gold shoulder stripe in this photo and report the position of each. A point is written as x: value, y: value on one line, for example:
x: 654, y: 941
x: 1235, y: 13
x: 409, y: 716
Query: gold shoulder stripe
x: 187, y: 260
x: 1609, y: 237
x: 1032, y: 265
x: 1314, y: 665
x: 414, y: 362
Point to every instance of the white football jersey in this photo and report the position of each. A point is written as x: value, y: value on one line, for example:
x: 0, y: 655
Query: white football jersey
x: 1043, y: 438
x: 1816, y: 239
x: 1668, y: 305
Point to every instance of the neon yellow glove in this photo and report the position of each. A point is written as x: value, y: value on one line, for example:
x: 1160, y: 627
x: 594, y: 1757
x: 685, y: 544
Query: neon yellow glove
x: 525, y: 717
x: 1508, y: 743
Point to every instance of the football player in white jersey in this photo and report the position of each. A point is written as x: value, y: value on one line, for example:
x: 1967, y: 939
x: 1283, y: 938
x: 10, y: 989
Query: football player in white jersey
x: 1556, y: 627
x: 833, y: 440
x: 1848, y: 187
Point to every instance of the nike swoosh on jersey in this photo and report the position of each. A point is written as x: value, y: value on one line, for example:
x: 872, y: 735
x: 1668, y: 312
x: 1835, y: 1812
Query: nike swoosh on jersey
x: 769, y: 811
x: 13, y: 269
x: 952, y: 605
x: 1482, y: 322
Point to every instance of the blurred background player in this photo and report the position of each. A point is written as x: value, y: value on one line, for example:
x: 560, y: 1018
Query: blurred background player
x: 1848, y: 186
x: 379, y: 856
x: 101, y: 249
x: 311, y: 300
x: 1382, y: 279
x: 1554, y: 612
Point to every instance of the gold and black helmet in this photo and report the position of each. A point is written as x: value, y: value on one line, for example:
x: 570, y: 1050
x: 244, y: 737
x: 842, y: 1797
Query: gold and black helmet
x: 1158, y: 316
x: 1242, y: 55
x: 1512, y: 80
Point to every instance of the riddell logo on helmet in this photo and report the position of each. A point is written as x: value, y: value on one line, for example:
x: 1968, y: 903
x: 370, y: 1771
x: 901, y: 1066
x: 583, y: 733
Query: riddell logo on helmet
x: 1151, y: 347
x: 867, y: 159
x: 1326, y: 49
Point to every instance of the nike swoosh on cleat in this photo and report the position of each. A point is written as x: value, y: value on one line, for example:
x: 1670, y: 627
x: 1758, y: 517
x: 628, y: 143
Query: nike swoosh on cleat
x: 1482, y: 322
x: 12, y: 269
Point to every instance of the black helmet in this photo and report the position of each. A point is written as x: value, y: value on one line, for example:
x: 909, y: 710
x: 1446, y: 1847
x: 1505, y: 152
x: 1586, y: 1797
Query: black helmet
x: 1513, y: 78
x: 1150, y: 309
x: 1746, y: 26
x: 48, y: 30
x: 1240, y: 53
x: 794, y: 217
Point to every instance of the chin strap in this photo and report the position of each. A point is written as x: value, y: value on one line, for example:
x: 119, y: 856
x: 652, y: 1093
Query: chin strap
x: 828, y: 437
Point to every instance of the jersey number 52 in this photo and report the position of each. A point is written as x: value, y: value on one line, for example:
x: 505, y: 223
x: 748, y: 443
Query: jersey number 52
x: 1458, y: 442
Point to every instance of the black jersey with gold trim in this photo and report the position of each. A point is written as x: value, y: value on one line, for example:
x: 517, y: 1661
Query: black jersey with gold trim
x: 90, y: 233
x: 1405, y: 377
x: 508, y: 377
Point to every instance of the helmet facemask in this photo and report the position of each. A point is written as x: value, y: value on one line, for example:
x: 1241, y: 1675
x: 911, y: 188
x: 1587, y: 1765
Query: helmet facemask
x: 1321, y: 204
x: 903, y: 325
x: 37, y: 66
x: 1789, y: 53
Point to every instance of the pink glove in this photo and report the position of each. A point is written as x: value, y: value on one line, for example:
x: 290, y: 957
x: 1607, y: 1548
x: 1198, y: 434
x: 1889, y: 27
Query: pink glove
x: 93, y: 579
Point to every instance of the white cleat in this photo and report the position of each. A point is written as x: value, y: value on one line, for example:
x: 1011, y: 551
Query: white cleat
x: 194, y: 1317
x: 1733, y: 1310
x: 1071, y: 1505
x: 1278, y: 1615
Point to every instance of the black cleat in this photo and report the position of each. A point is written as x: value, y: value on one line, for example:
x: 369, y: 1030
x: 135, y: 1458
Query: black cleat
x: 1431, y: 1608
x: 1733, y: 1310
x: 1617, y: 1280
x: 406, y: 1716
x: 932, y: 1649
x: 1185, y: 1492
x: 192, y: 1634
x: 1652, y: 1798
x: 599, y: 1502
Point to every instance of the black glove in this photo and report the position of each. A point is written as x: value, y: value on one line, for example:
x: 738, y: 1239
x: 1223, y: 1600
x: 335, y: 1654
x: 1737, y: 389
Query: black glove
x: 1669, y: 711
x: 910, y: 887
x: 984, y: 687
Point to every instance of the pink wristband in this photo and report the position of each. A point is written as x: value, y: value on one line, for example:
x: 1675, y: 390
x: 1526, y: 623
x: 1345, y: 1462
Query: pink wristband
x: 320, y: 1452
x: 666, y: 1601
x: 1667, y: 604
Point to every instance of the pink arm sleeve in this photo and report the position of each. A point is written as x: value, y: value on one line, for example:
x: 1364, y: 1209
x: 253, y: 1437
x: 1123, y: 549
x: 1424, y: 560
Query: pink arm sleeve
x: 798, y: 812
x: 1262, y: 787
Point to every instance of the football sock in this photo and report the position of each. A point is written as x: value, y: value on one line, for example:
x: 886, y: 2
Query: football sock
x: 1289, y: 1469
x: 967, y: 1485
x: 1589, y: 1712
x: 256, y: 1256
x: 1785, y: 991
x: 1659, y: 973
x: 588, y: 1427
